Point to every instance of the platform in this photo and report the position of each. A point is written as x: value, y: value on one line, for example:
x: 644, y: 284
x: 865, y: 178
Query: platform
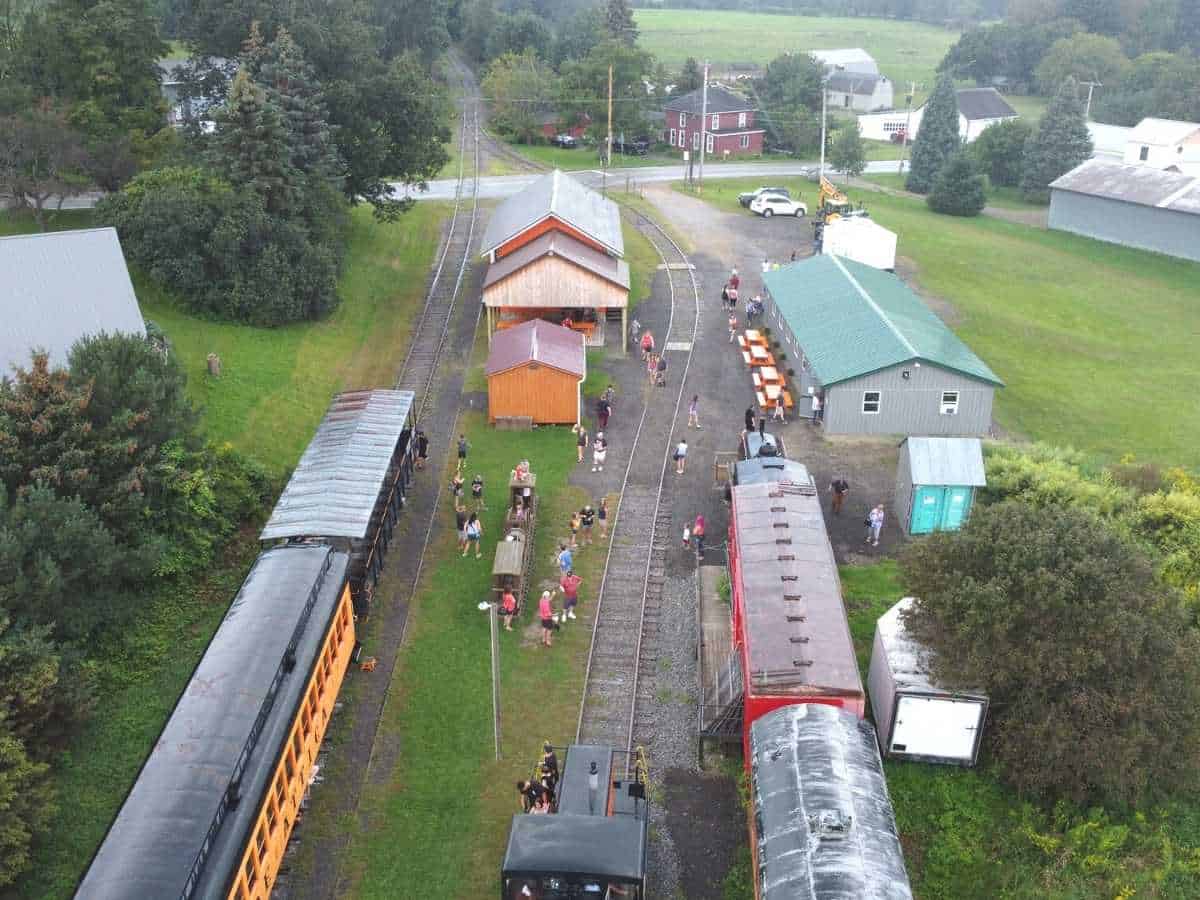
x: 721, y: 691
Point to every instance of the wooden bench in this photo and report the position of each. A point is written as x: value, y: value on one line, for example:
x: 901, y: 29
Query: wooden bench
x: 584, y: 327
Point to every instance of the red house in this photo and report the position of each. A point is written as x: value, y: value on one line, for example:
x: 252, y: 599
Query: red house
x: 730, y: 129
x: 552, y: 126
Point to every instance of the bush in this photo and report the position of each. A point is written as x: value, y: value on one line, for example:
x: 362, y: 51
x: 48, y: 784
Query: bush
x: 958, y: 188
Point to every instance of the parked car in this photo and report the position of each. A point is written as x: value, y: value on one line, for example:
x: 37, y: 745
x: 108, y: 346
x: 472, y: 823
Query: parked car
x: 750, y: 196
x: 566, y: 141
x: 638, y: 147
x: 768, y: 205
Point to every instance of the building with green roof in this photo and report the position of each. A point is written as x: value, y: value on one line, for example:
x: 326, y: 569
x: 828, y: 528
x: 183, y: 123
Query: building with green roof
x: 883, y: 362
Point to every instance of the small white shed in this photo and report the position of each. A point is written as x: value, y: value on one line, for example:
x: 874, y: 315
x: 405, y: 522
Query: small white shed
x: 915, y: 717
x: 862, y: 240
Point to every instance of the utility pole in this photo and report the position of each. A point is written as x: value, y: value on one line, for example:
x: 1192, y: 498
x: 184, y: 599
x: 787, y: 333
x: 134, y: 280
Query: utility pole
x: 912, y: 89
x: 824, y: 93
x: 1090, y: 86
x: 703, y: 128
x: 608, y: 152
x: 491, y: 608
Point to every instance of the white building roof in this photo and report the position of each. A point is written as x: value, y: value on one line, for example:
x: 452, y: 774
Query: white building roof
x: 954, y: 461
x: 909, y: 660
x: 843, y: 57
x: 1109, y: 140
x: 1162, y: 132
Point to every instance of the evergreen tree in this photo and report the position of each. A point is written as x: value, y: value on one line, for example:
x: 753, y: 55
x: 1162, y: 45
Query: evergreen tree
x: 618, y: 16
x: 847, y: 153
x: 958, y: 188
x: 937, y: 140
x: 690, y: 77
x: 290, y: 81
x: 999, y: 150
x: 253, y: 146
x: 1060, y: 143
x: 28, y: 803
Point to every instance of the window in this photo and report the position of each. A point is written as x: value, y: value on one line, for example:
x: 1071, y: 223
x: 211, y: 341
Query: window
x: 251, y: 871
x: 682, y: 120
x: 741, y: 120
x: 871, y: 403
x: 716, y: 122
x: 846, y: 101
x: 682, y: 138
x: 949, y: 403
x: 695, y: 140
x: 708, y: 144
x: 672, y: 141
x: 1144, y: 154
x: 744, y: 143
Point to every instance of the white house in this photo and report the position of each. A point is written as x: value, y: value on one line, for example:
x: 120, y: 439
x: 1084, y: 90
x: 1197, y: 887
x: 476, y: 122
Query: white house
x: 859, y: 91
x: 853, y: 59
x: 1108, y: 141
x: 1165, y: 144
x: 977, y: 109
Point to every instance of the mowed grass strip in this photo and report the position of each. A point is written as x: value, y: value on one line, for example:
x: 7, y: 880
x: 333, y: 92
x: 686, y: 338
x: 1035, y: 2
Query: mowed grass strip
x: 1093, y: 340
x: 437, y: 820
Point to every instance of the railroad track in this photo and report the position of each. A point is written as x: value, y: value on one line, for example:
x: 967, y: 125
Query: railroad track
x: 420, y: 364
x: 617, y: 704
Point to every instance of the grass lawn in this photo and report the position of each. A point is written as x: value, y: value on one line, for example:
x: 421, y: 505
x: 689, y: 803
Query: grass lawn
x: 447, y: 799
x: 1092, y: 339
x: 963, y: 828
x: 905, y: 51
x: 1002, y: 197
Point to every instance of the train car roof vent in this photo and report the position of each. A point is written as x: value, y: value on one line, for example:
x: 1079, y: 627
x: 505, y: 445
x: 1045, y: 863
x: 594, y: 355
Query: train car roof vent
x: 830, y: 825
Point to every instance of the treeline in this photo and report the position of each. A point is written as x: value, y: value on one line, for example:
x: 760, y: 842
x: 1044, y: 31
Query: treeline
x: 935, y: 12
x: 1142, y: 56
x: 107, y: 494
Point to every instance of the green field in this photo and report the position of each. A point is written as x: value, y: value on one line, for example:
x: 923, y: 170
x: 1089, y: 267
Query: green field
x: 905, y: 51
x: 1092, y: 339
x: 1003, y: 197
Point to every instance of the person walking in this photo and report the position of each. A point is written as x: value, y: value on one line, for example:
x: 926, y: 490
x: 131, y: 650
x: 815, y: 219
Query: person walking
x: 477, y: 492
x: 777, y: 412
x: 581, y: 442
x: 687, y: 535
x: 839, y: 488
x: 508, y: 608
x: 610, y: 397
x: 734, y: 280
x: 564, y: 559
x: 647, y: 343
x: 749, y: 419
x: 661, y: 371
x: 463, y: 446
x: 681, y: 456
x: 546, y: 614
x: 587, y: 518
x: 422, y: 448
x: 460, y: 529
x: 766, y: 266
x: 456, y: 488
x: 570, y: 588
x: 816, y: 410
x: 698, y: 535
x: 474, y: 533
x: 694, y: 412
x: 602, y: 514
x: 634, y: 327
x: 651, y: 368
x: 602, y: 411
x: 733, y: 327
x: 733, y: 298
x: 574, y: 524
x: 599, y: 452
x: 875, y: 524
x: 724, y: 295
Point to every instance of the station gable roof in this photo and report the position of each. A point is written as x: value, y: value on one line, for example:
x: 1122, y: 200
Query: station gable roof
x: 557, y: 194
x: 555, y: 243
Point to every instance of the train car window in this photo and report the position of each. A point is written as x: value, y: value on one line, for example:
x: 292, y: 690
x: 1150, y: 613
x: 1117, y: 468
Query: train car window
x: 251, y: 871
x: 260, y: 839
x: 279, y: 793
x: 271, y: 814
x: 289, y: 767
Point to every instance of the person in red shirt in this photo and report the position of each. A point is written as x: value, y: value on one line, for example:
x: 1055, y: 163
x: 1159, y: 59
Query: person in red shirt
x: 508, y: 609
x: 570, y: 588
x: 546, y: 614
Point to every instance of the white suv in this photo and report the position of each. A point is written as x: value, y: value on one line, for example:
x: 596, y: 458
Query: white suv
x: 768, y: 205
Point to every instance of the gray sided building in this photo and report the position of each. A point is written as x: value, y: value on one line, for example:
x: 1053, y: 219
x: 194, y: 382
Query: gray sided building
x: 1135, y: 206
x: 882, y: 360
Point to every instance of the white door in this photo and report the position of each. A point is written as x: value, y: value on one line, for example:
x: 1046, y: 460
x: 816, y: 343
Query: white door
x: 929, y: 726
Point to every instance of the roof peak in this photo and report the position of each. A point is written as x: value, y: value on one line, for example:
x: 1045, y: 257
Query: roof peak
x: 886, y: 319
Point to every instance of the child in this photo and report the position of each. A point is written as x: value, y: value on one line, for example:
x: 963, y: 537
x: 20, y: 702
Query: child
x: 687, y: 537
x: 477, y: 492
x: 574, y: 529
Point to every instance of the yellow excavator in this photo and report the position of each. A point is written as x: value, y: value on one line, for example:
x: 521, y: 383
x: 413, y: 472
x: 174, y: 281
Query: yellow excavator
x: 831, y: 203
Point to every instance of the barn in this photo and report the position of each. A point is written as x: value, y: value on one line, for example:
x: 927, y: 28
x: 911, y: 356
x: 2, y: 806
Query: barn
x: 1133, y: 205
x: 978, y: 108
x: 536, y: 370
x: 884, y: 362
x: 936, y: 482
x: 859, y: 91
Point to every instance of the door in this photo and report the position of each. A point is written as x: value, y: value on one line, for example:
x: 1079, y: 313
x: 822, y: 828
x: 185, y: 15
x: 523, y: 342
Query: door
x: 935, y: 726
x: 957, y: 505
x: 927, y: 509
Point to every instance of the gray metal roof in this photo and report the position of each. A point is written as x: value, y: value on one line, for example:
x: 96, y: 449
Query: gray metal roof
x: 555, y: 243
x: 983, y: 103
x: 538, y: 341
x: 337, y: 482
x: 854, y: 82
x: 60, y: 287
x: 600, y: 847
x: 797, y: 637
x: 720, y: 100
x: 950, y: 461
x: 1143, y: 185
x: 826, y: 826
x: 910, y: 661
x: 557, y: 194
x: 285, y: 603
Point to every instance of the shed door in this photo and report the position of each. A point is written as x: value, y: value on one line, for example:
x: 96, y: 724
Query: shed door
x: 958, y: 503
x: 935, y: 726
x: 927, y: 509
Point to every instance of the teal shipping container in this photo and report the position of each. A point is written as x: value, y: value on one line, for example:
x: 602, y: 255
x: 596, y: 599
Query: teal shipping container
x: 936, y: 481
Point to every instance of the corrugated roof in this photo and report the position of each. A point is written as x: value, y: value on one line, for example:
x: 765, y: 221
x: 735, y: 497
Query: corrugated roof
x: 983, y: 103
x: 60, y: 287
x: 338, y: 480
x: 910, y: 661
x: 538, y: 341
x: 790, y: 589
x: 825, y: 821
x: 1163, y: 132
x: 843, y: 57
x: 852, y: 319
x: 854, y: 82
x: 557, y: 194
x: 555, y: 243
x: 720, y: 100
x: 160, y: 829
x: 951, y: 461
x: 1143, y: 185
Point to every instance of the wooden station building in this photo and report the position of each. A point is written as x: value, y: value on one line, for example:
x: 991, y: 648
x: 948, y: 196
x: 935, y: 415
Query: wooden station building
x: 555, y: 252
x: 536, y: 370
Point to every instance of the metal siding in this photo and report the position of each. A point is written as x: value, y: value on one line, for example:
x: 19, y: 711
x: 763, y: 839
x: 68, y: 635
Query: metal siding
x: 902, y: 502
x: 881, y: 685
x: 1129, y: 224
x: 909, y: 406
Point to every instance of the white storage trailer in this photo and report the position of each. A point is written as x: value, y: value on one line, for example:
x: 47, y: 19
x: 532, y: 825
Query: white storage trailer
x: 862, y: 240
x: 915, y: 717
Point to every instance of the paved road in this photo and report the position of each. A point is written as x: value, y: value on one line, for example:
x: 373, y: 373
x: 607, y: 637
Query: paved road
x: 506, y: 185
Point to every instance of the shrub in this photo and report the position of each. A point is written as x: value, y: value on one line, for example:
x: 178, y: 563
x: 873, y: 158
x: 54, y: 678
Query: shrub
x: 958, y: 188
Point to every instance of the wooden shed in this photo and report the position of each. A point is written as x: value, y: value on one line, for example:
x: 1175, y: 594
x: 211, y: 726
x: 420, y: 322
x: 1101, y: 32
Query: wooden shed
x: 536, y: 369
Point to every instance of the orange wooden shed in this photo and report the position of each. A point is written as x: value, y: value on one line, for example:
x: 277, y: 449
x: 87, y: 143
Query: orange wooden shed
x: 536, y: 369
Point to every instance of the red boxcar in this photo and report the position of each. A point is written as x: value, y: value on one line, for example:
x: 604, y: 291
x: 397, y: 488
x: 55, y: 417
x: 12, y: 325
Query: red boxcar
x: 789, y: 622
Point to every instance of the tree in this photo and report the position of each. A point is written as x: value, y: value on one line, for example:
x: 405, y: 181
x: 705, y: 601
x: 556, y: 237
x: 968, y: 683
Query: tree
x: 42, y: 160
x: 937, y: 140
x: 28, y: 803
x: 583, y: 89
x: 789, y: 100
x: 1084, y: 57
x: 46, y: 690
x: 479, y: 22
x: 691, y: 77
x: 521, y: 88
x: 579, y: 34
x: 847, y: 153
x: 1089, y: 662
x: 958, y: 187
x: 999, y: 150
x: 1098, y: 16
x: 413, y: 26
x: 618, y: 17
x: 1166, y: 85
x: 520, y: 32
x: 1060, y: 143
x: 252, y: 146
